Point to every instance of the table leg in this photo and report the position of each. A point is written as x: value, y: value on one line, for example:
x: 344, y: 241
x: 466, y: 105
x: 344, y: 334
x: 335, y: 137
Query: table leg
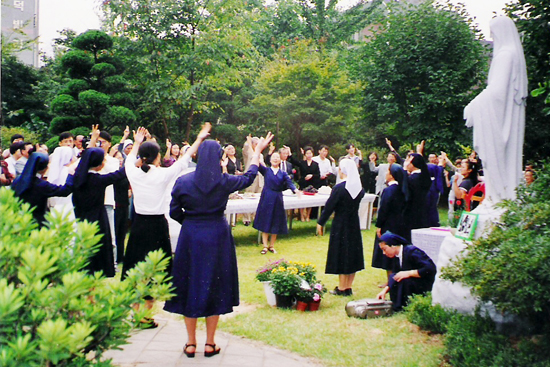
x: 290, y: 215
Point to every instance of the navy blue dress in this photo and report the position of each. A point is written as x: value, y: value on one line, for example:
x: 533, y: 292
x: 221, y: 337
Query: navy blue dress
x: 204, y: 271
x: 436, y: 189
x: 37, y: 196
x: 345, y: 246
x: 390, y: 218
x: 413, y: 259
x: 271, y: 215
x: 88, y: 201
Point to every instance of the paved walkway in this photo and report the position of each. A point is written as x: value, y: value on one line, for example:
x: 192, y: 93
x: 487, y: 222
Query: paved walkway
x: 163, y: 347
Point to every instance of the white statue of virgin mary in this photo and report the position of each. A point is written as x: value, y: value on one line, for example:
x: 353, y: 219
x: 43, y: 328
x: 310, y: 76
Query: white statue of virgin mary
x: 498, y: 113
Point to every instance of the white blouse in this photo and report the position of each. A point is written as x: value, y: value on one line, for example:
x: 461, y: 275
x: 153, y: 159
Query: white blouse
x: 150, y: 188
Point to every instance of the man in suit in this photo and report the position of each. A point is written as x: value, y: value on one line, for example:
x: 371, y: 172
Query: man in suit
x: 413, y: 271
x: 286, y: 166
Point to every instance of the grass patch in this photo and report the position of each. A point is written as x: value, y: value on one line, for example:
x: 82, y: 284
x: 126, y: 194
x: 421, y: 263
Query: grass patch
x: 329, y: 334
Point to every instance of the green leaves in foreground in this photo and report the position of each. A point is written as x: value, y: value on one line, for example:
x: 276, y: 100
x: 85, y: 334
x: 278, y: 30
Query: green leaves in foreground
x: 52, y: 312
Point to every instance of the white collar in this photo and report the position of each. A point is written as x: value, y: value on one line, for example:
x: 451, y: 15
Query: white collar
x: 393, y: 183
x: 400, y: 256
x: 275, y: 170
x: 416, y: 171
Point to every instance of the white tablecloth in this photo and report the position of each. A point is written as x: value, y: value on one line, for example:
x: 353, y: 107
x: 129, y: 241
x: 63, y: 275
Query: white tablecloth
x: 429, y: 240
x: 250, y: 205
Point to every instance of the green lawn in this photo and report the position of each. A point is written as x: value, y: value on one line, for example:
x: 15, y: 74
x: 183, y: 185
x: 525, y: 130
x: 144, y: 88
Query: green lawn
x: 328, y: 335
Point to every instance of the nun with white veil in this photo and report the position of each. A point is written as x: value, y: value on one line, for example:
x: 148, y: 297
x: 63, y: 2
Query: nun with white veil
x: 498, y: 113
x: 58, y: 170
x: 345, y: 248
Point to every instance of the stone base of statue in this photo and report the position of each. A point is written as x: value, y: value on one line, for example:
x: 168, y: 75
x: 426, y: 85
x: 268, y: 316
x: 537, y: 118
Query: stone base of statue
x: 458, y: 296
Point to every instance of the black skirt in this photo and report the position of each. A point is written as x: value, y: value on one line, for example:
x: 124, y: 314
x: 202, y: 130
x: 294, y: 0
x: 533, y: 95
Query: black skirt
x: 148, y: 233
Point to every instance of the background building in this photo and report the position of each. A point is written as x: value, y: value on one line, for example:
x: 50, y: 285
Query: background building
x: 20, y: 28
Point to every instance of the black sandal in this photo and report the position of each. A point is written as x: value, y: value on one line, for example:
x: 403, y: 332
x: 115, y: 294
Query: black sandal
x: 272, y: 250
x: 212, y: 353
x: 264, y: 251
x: 148, y: 323
x: 190, y: 354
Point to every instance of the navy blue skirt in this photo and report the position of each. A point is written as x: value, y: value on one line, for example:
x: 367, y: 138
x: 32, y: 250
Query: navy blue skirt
x: 204, y: 272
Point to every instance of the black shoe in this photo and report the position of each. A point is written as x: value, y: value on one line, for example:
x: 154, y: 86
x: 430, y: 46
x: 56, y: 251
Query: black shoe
x: 348, y: 292
x: 213, y: 352
x: 337, y: 292
x: 189, y: 354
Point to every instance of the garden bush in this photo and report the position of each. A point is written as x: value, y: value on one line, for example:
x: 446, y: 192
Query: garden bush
x: 434, y: 318
x: 52, y: 313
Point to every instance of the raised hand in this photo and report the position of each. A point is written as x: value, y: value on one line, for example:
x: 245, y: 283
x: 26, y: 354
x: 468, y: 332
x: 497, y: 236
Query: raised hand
x: 168, y: 144
x: 205, y: 131
x: 140, y: 135
x: 126, y: 132
x: 95, y: 131
x: 264, y: 142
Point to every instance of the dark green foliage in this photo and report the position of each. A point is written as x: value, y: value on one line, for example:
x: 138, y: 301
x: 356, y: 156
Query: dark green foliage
x: 434, y: 318
x: 93, y: 102
x: 103, y: 70
x: 63, y: 123
x: 511, y: 266
x: 93, y: 41
x: 228, y: 134
x: 52, y: 313
x: 118, y: 116
x: 20, y: 100
x: 75, y: 86
x: 52, y: 143
x: 78, y: 63
x: 114, y: 84
x: 65, y: 104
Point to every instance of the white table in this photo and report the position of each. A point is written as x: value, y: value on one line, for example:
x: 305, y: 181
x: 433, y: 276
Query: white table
x: 249, y: 205
x: 429, y: 240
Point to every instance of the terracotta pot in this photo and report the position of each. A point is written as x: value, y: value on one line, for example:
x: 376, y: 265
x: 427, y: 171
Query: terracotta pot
x: 284, y: 301
x: 314, y: 305
x: 301, y: 306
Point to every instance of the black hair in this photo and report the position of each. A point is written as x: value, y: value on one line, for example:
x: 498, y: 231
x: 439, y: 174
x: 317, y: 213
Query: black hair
x: 65, y: 135
x: 308, y: 148
x: 16, y: 146
x: 324, y: 147
x: 348, y: 146
x: 148, y: 152
x: 375, y: 154
x: 105, y: 135
x: 475, y: 168
x: 16, y: 136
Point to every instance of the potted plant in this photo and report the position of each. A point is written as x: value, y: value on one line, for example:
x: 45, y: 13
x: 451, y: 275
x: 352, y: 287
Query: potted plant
x: 286, y: 284
x: 263, y: 275
x: 304, y: 296
x: 318, y: 290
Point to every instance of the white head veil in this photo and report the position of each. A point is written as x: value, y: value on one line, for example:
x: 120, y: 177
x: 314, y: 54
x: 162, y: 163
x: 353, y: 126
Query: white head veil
x: 353, y: 181
x: 58, y: 173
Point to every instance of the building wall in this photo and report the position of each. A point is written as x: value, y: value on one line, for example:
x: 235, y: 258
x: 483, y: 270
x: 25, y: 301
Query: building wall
x: 20, y: 24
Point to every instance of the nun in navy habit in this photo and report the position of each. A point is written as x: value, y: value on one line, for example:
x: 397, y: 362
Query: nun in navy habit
x: 345, y: 247
x: 413, y: 270
x: 31, y: 188
x: 436, y: 189
x: 205, y: 264
x: 390, y: 213
x: 270, y: 215
x: 419, y: 182
x: 88, y: 200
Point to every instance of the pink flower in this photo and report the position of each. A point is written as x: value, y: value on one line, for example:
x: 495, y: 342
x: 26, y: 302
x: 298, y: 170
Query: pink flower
x: 318, y: 286
x: 316, y: 297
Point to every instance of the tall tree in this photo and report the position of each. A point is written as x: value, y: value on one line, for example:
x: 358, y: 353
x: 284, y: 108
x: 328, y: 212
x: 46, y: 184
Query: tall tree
x: 532, y: 19
x: 419, y: 70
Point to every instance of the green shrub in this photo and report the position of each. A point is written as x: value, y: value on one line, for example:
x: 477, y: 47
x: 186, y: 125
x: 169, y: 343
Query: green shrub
x: 511, y: 267
x: 118, y: 116
x: 434, y: 318
x: 65, y: 104
x: 103, y: 70
x: 78, y: 63
x: 471, y: 341
x: 75, y: 86
x: 93, y: 102
x: 51, y: 312
x: 63, y: 123
x: 8, y: 132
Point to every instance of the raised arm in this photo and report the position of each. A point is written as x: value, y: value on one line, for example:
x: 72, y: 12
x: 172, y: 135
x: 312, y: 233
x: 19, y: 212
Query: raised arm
x: 203, y: 134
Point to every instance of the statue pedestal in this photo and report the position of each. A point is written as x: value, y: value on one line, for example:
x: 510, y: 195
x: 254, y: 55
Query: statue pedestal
x: 456, y: 295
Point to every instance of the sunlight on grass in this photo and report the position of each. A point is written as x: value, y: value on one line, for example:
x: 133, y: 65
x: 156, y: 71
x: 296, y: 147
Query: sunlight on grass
x: 328, y: 335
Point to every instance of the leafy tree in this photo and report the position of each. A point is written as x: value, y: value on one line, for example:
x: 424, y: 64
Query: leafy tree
x: 532, y: 19
x: 188, y: 50
x: 305, y: 96
x: 92, y: 94
x: 52, y: 313
x: 20, y: 101
x: 418, y: 71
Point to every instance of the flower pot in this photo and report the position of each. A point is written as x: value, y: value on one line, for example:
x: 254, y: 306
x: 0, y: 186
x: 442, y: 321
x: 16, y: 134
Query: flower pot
x: 301, y: 306
x: 269, y: 294
x: 284, y: 301
x: 314, y: 305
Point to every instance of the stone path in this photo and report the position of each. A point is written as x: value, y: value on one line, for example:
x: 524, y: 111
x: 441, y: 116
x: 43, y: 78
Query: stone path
x: 163, y: 347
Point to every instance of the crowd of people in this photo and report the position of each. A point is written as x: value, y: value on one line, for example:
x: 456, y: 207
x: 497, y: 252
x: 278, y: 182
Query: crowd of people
x: 176, y: 205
